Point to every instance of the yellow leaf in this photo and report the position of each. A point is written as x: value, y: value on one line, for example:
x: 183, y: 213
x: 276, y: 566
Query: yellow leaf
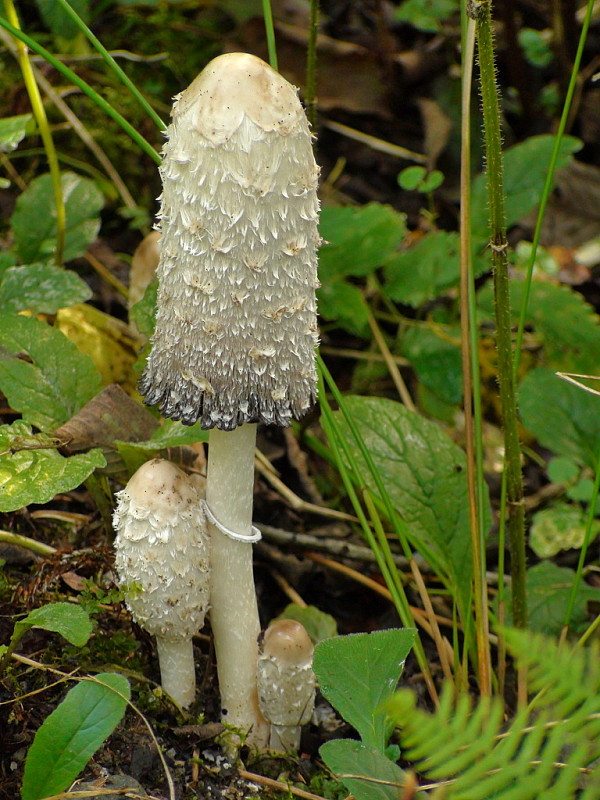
x: 110, y: 343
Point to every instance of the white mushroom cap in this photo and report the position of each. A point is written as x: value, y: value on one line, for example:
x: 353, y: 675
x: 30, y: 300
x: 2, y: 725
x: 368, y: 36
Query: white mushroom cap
x: 236, y: 325
x: 162, y: 555
x: 286, y: 682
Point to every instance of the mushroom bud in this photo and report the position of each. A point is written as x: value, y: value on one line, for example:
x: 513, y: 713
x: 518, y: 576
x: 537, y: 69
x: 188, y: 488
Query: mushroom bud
x: 161, y: 559
x: 236, y: 325
x: 286, y: 682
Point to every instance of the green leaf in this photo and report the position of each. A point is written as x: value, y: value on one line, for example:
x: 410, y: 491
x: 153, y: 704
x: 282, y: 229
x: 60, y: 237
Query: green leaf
x: 13, y: 130
x: 37, y: 475
x: 169, y: 434
x: 8, y: 259
x: 41, y: 289
x: 365, y: 772
x: 59, y: 22
x: 344, y: 303
x: 358, y: 240
x: 582, y: 492
x: 143, y: 312
x: 562, y: 417
x: 567, y: 325
x: 427, y: 15
x: 562, y: 470
x: 359, y: 672
x: 58, y: 382
x: 559, y: 527
x: 67, y: 619
x: 424, y: 473
x: 317, y: 623
x: 411, y: 177
x: 525, y: 168
x: 535, y: 47
x: 548, y: 590
x: 34, y: 219
x: 70, y: 736
x: 424, y: 271
x: 436, y: 360
x: 420, y: 180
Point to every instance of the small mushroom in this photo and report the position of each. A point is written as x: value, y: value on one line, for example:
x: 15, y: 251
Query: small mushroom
x: 236, y: 325
x: 286, y: 682
x: 162, y: 563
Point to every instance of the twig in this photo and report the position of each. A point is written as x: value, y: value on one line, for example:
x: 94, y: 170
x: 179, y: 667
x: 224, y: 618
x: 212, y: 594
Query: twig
x: 336, y: 547
x: 441, y: 644
x: 374, y: 143
x: 39, y: 548
x: 287, y: 589
x: 278, y: 785
x: 297, y: 503
x: 106, y: 274
x: 390, y: 363
x: 360, y: 355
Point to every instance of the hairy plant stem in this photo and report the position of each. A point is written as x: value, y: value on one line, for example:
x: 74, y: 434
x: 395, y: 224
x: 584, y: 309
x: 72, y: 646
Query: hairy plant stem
x: 499, y: 247
x: 39, y: 112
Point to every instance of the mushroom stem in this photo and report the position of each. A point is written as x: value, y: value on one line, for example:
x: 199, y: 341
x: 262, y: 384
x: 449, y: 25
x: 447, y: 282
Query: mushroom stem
x: 234, y: 611
x: 177, y: 670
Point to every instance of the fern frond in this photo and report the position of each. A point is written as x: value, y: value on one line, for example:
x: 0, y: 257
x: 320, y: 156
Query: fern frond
x: 542, y: 754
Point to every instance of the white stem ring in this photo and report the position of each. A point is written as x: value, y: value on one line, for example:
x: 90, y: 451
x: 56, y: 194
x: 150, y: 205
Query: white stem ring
x: 255, y: 535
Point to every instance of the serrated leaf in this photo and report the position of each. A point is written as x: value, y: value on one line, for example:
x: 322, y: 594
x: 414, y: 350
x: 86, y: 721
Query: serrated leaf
x: 436, y: 360
x: 563, y: 418
x: 525, y: 168
x: 67, y: 619
x: 424, y: 473
x: 317, y: 623
x: 359, y: 672
x: 70, y: 736
x: 37, y: 475
x: 358, y: 240
x: 548, y: 590
x: 41, y: 289
x: 424, y: 271
x: 568, y: 326
x: 365, y: 772
x: 34, y: 218
x: 13, y: 130
x: 58, y: 382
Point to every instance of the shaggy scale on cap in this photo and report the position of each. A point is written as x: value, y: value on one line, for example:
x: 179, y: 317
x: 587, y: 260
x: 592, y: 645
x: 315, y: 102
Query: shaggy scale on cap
x: 236, y: 323
x: 161, y: 551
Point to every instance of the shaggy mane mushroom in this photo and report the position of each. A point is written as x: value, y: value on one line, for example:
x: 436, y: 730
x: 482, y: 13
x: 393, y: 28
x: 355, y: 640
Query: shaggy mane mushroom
x: 236, y: 325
